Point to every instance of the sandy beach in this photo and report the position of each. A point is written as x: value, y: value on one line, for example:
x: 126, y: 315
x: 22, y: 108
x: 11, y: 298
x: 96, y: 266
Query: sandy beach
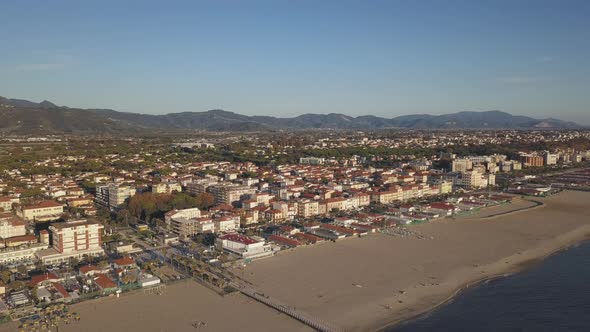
x: 180, y: 306
x: 369, y: 283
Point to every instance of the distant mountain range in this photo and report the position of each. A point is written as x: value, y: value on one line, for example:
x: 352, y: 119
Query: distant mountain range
x: 26, y: 117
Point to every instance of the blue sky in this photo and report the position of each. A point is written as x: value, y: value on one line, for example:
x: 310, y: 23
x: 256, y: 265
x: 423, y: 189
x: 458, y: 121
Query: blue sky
x: 285, y: 58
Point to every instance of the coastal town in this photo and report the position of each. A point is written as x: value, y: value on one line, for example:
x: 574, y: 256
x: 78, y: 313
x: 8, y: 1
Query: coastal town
x: 82, y: 219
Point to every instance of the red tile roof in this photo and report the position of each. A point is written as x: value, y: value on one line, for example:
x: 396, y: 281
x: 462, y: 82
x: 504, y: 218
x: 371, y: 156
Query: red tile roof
x: 238, y: 238
x: 42, y: 205
x: 61, y: 289
x: 125, y: 261
x: 35, y: 280
x: 22, y: 238
x: 284, y: 240
x: 87, y: 268
x: 104, y: 282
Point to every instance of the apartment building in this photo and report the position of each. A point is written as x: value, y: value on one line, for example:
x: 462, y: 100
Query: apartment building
x: 11, y: 226
x: 76, y: 235
x: 230, y: 193
x: 475, y: 179
x: 387, y: 196
x: 227, y: 223
x: 531, y: 160
x: 73, y: 239
x: 550, y: 158
x: 307, y: 208
x: 461, y: 165
x: 112, y: 196
x: 199, y: 186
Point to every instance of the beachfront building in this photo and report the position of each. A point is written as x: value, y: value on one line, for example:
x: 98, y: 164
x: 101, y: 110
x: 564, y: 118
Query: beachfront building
x: 307, y: 208
x: 186, y: 228
x: 73, y: 239
x: 244, y: 246
x: 475, y: 180
x: 43, y: 211
x: 387, y: 196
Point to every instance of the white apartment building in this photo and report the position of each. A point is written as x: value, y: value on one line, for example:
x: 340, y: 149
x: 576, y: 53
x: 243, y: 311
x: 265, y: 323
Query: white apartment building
x: 475, y: 179
x: 550, y: 158
x: 112, y: 195
x: 227, y: 224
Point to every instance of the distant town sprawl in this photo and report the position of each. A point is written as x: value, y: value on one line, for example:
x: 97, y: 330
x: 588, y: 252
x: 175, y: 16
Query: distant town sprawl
x: 84, y: 217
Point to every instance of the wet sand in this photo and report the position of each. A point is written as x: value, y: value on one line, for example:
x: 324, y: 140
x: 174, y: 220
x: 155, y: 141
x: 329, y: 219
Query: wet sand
x: 372, y: 282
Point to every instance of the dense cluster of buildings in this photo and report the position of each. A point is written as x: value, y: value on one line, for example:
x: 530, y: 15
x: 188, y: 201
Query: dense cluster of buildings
x: 315, y: 199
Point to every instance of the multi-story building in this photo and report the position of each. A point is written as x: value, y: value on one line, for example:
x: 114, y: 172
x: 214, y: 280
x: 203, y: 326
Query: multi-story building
x: 184, y: 228
x: 199, y: 186
x: 461, y: 165
x: 112, y: 195
x: 550, y: 158
x: 307, y: 208
x: 73, y: 239
x: 76, y: 235
x: 531, y: 160
x: 510, y: 165
x: 230, y: 193
x: 227, y: 223
x: 43, y: 211
x: 475, y: 179
x: 387, y: 196
x: 11, y: 226
x: 7, y: 202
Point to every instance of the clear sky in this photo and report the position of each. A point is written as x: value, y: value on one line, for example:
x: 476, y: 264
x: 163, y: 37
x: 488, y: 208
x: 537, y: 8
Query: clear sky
x: 285, y: 58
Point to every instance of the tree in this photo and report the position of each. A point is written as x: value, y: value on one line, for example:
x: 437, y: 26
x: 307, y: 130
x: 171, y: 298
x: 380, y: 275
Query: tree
x: 209, y: 239
x: 5, y: 276
x: 205, y: 200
